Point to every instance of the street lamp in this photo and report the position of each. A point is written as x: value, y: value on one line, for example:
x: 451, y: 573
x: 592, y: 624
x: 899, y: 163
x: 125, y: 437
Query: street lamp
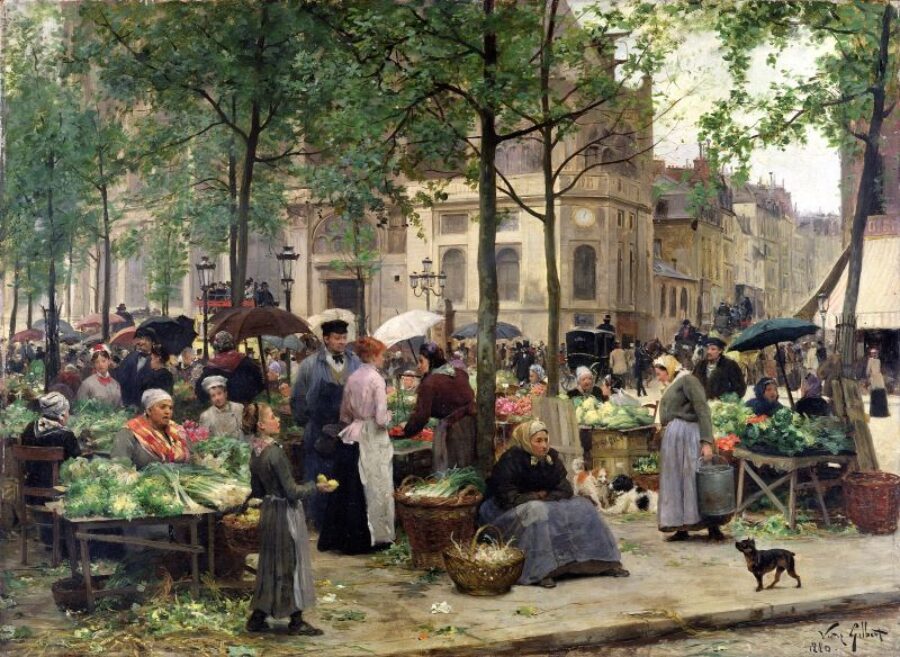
x: 287, y: 257
x: 205, y: 269
x: 424, y: 283
x: 822, y: 301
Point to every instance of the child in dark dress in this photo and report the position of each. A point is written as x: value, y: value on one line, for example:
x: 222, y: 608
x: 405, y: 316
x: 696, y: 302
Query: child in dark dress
x: 284, y: 581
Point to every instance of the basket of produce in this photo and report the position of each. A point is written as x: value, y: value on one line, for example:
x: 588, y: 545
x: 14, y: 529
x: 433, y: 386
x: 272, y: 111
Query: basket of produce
x: 68, y: 593
x: 433, y: 510
x: 873, y: 501
x: 242, y: 532
x: 645, y: 472
x: 484, y: 568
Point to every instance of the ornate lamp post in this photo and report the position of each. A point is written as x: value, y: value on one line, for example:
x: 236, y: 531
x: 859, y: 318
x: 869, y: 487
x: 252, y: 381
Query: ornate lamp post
x: 286, y: 258
x: 822, y: 301
x: 424, y: 283
x: 205, y: 268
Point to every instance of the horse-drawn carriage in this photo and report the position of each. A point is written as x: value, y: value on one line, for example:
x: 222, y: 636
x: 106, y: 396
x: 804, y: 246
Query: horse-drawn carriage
x: 589, y: 347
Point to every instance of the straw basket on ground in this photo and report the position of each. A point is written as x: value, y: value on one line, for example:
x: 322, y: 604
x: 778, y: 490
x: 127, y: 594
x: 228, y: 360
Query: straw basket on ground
x: 873, y: 501
x: 490, y: 571
x: 430, y: 522
x: 242, y: 533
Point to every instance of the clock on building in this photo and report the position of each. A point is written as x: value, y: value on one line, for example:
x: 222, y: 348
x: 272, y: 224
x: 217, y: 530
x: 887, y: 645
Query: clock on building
x: 583, y: 218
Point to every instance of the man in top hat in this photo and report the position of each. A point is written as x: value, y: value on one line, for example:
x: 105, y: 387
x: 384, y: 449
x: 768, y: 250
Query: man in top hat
x: 316, y: 401
x: 244, y: 379
x: 133, y: 371
x: 718, y: 374
x: 127, y: 319
x: 223, y: 417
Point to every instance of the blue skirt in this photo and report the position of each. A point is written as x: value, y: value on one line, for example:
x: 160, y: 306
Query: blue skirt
x: 553, y: 534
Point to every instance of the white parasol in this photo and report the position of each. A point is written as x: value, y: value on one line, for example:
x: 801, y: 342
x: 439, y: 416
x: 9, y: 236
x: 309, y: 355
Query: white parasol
x: 410, y: 324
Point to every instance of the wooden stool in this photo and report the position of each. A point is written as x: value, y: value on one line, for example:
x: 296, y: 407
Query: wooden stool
x: 53, y: 455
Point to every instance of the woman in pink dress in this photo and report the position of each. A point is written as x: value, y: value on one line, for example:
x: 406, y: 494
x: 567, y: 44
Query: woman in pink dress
x: 360, y: 514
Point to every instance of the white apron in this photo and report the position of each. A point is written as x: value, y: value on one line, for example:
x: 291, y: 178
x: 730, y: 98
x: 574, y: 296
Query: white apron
x: 376, y: 472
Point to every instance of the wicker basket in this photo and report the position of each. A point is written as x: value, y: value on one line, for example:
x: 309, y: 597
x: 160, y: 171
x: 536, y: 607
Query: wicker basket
x: 649, y: 481
x: 241, y: 539
x: 479, y: 578
x: 68, y: 593
x: 873, y: 501
x: 430, y: 522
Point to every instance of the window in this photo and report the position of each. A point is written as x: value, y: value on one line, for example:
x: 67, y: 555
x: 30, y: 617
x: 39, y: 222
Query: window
x: 584, y: 273
x: 508, y: 274
x: 453, y: 265
x: 684, y: 301
x: 662, y: 301
x: 397, y: 235
x: 454, y: 224
x: 657, y: 249
x: 631, y: 276
x: 620, y: 218
x: 662, y: 208
x: 631, y: 221
x: 508, y: 222
x: 672, y: 302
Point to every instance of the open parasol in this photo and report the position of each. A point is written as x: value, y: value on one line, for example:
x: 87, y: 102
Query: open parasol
x: 315, y: 321
x: 96, y: 319
x: 504, y: 331
x: 772, y: 332
x: 28, y: 335
x: 404, y: 326
x: 123, y: 338
x: 172, y: 333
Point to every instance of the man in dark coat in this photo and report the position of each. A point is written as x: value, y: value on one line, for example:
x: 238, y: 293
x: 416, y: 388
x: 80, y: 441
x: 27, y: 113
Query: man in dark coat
x: 524, y: 361
x: 264, y: 296
x: 127, y: 319
x: 718, y: 374
x: 244, y: 379
x: 133, y: 372
x: 607, y: 342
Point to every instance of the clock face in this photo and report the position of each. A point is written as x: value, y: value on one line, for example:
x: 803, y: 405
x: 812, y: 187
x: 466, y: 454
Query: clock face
x: 583, y: 218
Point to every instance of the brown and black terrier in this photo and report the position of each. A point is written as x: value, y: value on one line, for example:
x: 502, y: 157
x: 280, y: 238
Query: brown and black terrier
x: 760, y: 562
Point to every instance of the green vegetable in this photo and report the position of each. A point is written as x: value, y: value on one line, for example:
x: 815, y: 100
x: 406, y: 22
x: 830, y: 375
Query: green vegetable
x: 449, y: 483
x: 15, y: 417
x: 225, y: 454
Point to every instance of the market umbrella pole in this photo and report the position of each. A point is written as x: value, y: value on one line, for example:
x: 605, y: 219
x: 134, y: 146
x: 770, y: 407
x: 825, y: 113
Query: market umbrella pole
x: 779, y: 358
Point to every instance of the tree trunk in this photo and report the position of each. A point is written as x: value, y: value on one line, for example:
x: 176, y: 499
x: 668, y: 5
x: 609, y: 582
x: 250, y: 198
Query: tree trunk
x: 243, y: 227
x: 69, y: 275
x: 98, y: 278
x: 847, y: 322
x: 107, y: 264
x: 51, y: 326
x: 14, y: 311
x: 361, y: 319
x: 553, y: 286
x: 488, y: 304
x: 29, y: 315
x: 233, y: 202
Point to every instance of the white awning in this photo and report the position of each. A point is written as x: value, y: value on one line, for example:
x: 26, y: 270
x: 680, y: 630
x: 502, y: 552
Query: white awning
x: 878, y: 305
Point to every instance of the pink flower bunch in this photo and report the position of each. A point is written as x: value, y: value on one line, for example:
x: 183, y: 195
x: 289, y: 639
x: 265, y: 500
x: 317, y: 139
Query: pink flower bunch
x: 194, y: 432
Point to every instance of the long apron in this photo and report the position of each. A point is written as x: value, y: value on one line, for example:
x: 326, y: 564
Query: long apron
x: 326, y: 410
x: 376, y: 472
x: 453, y: 445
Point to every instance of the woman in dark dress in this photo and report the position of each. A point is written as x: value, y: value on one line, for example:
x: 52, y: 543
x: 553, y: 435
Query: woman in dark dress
x: 49, y: 430
x: 159, y: 376
x: 530, y: 500
x: 284, y: 580
x: 766, y: 400
x: 444, y: 394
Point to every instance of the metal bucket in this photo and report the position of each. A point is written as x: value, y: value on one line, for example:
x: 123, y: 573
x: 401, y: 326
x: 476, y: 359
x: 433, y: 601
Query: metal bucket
x: 715, y: 490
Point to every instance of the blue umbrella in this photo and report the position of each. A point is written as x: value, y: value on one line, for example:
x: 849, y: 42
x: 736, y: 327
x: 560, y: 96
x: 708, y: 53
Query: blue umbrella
x: 504, y: 331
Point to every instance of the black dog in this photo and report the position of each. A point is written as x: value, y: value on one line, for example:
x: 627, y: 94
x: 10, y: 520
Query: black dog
x: 760, y: 562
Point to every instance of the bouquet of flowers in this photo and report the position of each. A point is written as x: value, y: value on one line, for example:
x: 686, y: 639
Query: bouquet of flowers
x: 194, y: 432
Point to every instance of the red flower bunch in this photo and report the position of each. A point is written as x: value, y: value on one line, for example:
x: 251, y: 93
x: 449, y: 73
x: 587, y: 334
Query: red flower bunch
x: 727, y: 443
x: 194, y: 432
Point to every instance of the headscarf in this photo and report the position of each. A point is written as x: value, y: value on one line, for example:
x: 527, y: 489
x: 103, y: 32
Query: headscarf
x: 537, y: 369
x: 813, y: 386
x: 669, y: 363
x: 760, y: 405
x: 153, y: 396
x: 581, y: 371
x: 211, y: 382
x: 53, y: 405
x: 522, y: 438
x: 223, y: 341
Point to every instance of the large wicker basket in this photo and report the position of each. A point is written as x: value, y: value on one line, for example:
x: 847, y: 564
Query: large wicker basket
x: 873, y: 501
x: 480, y: 578
x: 69, y: 593
x: 242, y: 539
x: 430, y: 522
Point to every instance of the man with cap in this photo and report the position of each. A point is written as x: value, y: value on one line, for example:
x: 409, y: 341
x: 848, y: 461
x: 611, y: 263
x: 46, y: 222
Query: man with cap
x: 49, y: 430
x: 244, y: 379
x: 127, y: 319
x: 718, y: 374
x: 316, y: 401
x: 223, y: 417
x: 133, y: 372
x: 607, y: 342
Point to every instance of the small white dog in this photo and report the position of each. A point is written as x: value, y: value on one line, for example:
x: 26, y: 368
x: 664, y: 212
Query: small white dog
x: 628, y: 498
x: 592, y: 484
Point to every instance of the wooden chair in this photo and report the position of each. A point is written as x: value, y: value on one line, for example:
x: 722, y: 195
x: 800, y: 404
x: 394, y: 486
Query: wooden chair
x: 53, y: 455
x: 559, y: 416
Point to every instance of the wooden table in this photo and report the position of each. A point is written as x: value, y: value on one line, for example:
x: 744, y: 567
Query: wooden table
x: 791, y: 466
x: 416, y: 460
x: 79, y: 531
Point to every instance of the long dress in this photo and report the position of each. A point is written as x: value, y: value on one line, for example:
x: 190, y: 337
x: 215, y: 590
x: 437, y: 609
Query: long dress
x: 878, y: 406
x: 555, y: 533
x: 284, y: 579
x: 685, y: 414
x: 106, y: 390
x: 360, y: 513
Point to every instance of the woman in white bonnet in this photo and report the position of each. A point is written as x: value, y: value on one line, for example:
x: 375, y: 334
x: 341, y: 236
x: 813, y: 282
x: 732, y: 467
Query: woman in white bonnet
x: 152, y: 437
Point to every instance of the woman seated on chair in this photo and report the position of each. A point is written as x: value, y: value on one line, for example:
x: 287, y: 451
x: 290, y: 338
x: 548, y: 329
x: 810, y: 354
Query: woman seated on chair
x: 530, y: 500
x: 49, y: 430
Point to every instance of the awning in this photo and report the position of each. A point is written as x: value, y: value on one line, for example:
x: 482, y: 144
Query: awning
x: 878, y: 305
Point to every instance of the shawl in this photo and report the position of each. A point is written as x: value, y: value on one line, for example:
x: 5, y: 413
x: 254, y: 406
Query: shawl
x: 168, y: 447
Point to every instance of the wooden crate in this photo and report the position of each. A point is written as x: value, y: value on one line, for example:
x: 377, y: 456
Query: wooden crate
x: 604, y: 440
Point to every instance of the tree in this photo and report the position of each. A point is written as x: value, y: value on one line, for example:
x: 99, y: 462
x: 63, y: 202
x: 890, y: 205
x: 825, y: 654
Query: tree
x: 240, y: 65
x: 851, y: 92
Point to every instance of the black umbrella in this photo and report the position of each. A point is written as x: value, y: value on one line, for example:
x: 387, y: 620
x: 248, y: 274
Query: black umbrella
x: 173, y: 334
x: 771, y: 332
x: 504, y: 332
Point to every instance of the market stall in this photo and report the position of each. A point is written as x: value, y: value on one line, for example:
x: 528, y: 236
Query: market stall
x: 621, y: 432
